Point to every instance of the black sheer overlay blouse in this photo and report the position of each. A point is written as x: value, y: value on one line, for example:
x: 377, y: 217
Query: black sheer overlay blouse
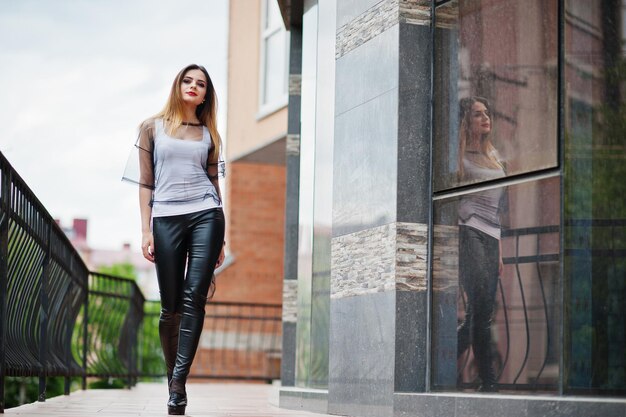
x: 140, y: 167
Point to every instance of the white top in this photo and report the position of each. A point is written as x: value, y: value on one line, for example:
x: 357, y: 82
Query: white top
x: 182, y: 184
x: 481, y: 210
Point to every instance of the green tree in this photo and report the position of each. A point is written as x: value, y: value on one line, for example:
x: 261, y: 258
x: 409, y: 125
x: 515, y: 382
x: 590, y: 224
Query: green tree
x: 122, y: 269
x: 150, y: 356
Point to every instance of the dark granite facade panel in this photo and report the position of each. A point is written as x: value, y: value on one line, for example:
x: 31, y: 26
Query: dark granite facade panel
x: 364, y: 166
x: 347, y: 10
x: 498, y: 405
x: 288, y: 358
x: 295, y: 50
x: 290, y: 267
x: 362, y: 338
x: 590, y: 408
x: 366, y: 72
x: 293, y: 116
x: 543, y: 408
x: 315, y: 401
x: 414, y: 124
x: 488, y: 406
x: 410, y: 405
x: 292, y: 197
x: 410, y: 357
x: 291, y: 217
x: 293, y: 160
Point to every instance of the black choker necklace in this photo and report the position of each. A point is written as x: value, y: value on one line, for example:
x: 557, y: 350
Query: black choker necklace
x: 191, y: 124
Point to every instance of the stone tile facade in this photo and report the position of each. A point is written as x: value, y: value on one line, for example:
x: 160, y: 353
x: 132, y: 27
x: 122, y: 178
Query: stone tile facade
x: 293, y: 145
x: 295, y: 84
x: 415, y: 12
x: 366, y: 26
x: 445, y: 257
x: 290, y: 300
x: 411, y: 256
x: 380, y: 259
x: 377, y: 19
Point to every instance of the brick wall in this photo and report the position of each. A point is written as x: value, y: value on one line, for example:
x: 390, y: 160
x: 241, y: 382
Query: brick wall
x: 255, y: 234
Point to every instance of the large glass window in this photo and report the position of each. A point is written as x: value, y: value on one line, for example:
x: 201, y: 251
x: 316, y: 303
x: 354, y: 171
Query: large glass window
x: 496, y: 287
x: 304, y: 349
x: 594, y: 265
x: 505, y: 52
x: 315, y: 216
x: 274, y: 59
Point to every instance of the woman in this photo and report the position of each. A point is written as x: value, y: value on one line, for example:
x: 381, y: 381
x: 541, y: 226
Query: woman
x: 480, y: 255
x: 181, y: 215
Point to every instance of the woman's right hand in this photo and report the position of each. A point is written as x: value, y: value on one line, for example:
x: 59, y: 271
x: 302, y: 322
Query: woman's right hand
x: 147, y: 246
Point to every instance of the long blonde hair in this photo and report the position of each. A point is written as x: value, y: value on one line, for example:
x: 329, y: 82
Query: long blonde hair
x: 206, y: 112
x: 487, y: 149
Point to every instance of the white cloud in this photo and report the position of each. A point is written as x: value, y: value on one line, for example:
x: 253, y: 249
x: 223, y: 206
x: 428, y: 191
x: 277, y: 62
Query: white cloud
x: 78, y: 77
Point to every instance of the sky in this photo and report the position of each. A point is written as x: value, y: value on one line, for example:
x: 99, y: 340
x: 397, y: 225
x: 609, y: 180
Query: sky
x: 76, y: 79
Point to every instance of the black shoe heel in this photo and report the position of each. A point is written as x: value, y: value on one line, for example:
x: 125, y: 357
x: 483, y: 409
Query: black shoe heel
x: 177, y: 404
x: 176, y: 411
x: 178, y: 398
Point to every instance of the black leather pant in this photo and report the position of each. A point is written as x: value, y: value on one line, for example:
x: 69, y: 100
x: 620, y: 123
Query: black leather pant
x: 193, y: 242
x: 479, y: 258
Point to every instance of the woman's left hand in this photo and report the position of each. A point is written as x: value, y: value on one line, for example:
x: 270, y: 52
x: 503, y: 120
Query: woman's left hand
x: 220, y: 259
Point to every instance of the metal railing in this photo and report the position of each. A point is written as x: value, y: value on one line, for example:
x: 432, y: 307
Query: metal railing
x: 115, y: 314
x: 57, y: 318
x: 525, y: 325
x: 240, y: 341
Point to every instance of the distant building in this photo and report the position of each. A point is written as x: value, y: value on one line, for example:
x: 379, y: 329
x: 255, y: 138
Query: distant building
x: 97, y: 258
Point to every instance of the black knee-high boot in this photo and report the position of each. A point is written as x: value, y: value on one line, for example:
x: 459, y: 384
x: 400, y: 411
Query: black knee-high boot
x: 169, y: 324
x: 191, y: 325
x: 190, y: 328
x: 484, y: 356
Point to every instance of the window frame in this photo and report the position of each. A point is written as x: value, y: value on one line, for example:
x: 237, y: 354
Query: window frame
x: 266, y: 32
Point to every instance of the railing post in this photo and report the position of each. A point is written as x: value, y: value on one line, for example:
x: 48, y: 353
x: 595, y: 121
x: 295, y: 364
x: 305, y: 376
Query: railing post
x: 131, y: 313
x: 68, y: 352
x: 85, y: 330
x: 139, y: 310
x: 5, y: 193
x: 68, y: 359
x: 43, y: 321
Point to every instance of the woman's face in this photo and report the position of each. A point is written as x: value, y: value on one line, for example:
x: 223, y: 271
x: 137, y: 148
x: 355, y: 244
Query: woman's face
x: 193, y: 87
x: 480, y: 120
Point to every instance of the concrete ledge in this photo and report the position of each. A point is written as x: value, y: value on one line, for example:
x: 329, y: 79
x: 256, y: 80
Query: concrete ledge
x: 313, y: 400
x: 471, y: 405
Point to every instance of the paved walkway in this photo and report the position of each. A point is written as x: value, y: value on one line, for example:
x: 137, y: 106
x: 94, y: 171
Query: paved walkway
x: 149, y: 399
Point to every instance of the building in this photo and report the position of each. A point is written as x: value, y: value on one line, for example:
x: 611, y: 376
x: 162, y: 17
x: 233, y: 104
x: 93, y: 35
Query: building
x: 372, y: 297
x: 255, y: 152
x: 242, y: 329
x: 95, y: 258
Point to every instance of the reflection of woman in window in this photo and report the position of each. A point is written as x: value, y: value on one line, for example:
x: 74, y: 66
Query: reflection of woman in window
x: 480, y: 260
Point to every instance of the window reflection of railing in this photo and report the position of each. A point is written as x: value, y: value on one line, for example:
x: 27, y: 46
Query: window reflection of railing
x: 239, y: 341
x: 525, y: 324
